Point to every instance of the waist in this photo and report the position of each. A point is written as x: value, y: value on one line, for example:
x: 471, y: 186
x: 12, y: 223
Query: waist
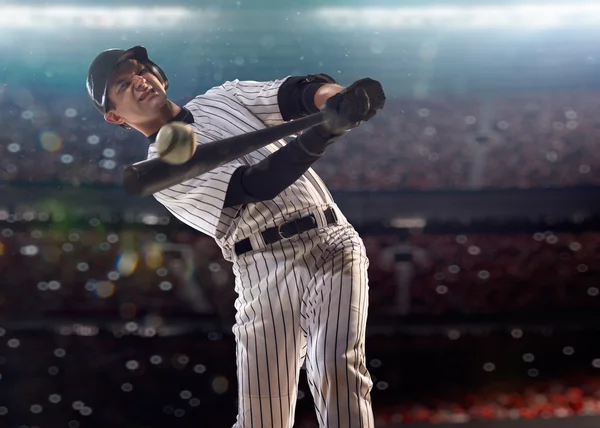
x: 285, y: 229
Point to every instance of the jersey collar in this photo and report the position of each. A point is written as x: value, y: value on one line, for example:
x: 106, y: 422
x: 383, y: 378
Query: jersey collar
x: 183, y: 116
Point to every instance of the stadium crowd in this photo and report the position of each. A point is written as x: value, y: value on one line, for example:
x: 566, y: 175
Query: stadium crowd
x: 501, y: 273
x: 490, y: 374
x: 97, y: 377
x: 505, y: 141
x: 546, y: 140
x: 109, y: 269
x: 578, y: 396
x: 55, y: 271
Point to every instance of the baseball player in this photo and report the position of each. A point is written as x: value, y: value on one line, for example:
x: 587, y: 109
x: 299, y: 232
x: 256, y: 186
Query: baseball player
x: 300, y: 267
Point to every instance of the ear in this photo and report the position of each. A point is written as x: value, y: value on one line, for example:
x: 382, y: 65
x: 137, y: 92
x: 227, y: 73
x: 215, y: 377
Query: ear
x: 114, y: 118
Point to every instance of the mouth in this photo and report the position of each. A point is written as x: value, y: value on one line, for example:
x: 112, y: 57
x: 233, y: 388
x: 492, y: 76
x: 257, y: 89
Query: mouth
x: 147, y: 94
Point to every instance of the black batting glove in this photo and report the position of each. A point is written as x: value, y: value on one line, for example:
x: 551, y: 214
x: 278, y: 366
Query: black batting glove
x: 357, y: 103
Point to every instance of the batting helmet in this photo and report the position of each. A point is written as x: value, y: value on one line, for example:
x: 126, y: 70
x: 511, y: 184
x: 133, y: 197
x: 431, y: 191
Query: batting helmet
x: 103, y: 66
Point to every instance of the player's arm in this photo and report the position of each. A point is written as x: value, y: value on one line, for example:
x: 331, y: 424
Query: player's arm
x: 265, y: 180
x: 279, y: 101
x: 279, y: 170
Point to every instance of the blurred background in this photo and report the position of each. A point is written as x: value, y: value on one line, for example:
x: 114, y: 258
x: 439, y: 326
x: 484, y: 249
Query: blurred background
x: 475, y: 191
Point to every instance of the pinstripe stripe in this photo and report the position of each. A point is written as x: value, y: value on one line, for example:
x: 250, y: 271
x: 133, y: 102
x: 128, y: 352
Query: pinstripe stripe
x: 348, y: 330
x: 319, y: 352
x: 292, y: 325
x: 243, y: 362
x: 362, y: 326
x: 335, y: 342
x: 260, y: 367
x: 312, y: 365
x: 275, y: 341
x: 359, y: 383
x: 326, y: 350
x: 299, y: 357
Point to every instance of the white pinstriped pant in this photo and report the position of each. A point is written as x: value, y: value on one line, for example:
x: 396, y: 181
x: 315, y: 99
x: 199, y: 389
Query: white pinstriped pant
x: 304, y: 298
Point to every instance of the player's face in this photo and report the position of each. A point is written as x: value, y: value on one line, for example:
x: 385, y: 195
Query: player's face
x: 136, y: 95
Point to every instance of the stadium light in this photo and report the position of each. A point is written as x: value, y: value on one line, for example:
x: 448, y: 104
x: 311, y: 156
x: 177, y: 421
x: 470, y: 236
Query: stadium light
x: 532, y: 16
x: 68, y: 17
x: 408, y: 223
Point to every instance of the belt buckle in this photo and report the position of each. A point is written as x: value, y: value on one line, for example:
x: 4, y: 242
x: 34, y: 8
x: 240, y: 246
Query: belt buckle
x: 296, y: 227
x: 279, y: 230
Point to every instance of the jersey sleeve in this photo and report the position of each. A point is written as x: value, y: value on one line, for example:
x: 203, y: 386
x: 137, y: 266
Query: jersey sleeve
x: 261, y: 98
x: 199, y: 202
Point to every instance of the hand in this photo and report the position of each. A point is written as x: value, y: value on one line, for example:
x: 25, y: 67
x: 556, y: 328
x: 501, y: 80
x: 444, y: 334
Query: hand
x: 357, y: 103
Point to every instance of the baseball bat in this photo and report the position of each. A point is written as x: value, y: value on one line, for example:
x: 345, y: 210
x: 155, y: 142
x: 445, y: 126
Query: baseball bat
x: 153, y: 175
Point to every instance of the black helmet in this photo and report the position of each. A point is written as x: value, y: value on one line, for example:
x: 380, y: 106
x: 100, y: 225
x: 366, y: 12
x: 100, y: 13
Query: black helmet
x: 103, y: 66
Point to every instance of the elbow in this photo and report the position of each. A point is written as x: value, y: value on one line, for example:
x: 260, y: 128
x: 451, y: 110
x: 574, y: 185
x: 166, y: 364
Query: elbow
x: 251, y: 185
x: 272, y: 194
x: 260, y: 193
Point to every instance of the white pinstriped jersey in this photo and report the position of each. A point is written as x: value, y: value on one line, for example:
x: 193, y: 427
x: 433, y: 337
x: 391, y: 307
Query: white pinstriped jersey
x: 238, y: 107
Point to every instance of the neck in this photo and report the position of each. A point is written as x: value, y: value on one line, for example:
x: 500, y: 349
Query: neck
x: 168, y: 112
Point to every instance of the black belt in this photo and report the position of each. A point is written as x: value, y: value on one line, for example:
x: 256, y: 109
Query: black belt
x: 286, y: 230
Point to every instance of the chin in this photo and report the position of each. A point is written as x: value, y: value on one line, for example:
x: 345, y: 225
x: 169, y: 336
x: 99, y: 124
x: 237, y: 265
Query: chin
x: 158, y: 101
x: 162, y: 99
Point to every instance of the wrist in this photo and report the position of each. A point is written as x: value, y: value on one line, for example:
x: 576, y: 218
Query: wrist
x: 324, y: 92
x: 314, y: 140
x: 325, y: 132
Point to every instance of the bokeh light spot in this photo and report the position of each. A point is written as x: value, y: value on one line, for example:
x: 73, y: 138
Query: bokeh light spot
x: 105, y: 289
x: 50, y: 141
x: 127, y: 263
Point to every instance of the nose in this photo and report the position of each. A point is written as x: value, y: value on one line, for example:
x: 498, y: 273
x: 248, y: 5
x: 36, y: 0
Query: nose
x: 140, y: 83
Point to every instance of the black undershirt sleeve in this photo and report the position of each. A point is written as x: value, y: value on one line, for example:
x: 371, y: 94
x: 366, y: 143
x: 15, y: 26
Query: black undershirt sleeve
x: 276, y: 172
x: 296, y: 98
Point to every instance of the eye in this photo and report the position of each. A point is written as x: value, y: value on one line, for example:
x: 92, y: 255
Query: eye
x: 143, y: 71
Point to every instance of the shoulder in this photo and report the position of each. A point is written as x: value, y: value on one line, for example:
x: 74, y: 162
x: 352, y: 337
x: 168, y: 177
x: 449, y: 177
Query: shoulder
x: 212, y: 94
x: 218, y: 89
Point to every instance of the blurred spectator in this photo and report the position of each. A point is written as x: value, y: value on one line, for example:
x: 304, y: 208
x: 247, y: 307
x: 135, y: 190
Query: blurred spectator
x: 409, y: 145
x: 511, y: 141
x: 114, y: 269
x: 119, y: 378
x: 124, y: 273
x: 549, y: 140
x: 500, y: 273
